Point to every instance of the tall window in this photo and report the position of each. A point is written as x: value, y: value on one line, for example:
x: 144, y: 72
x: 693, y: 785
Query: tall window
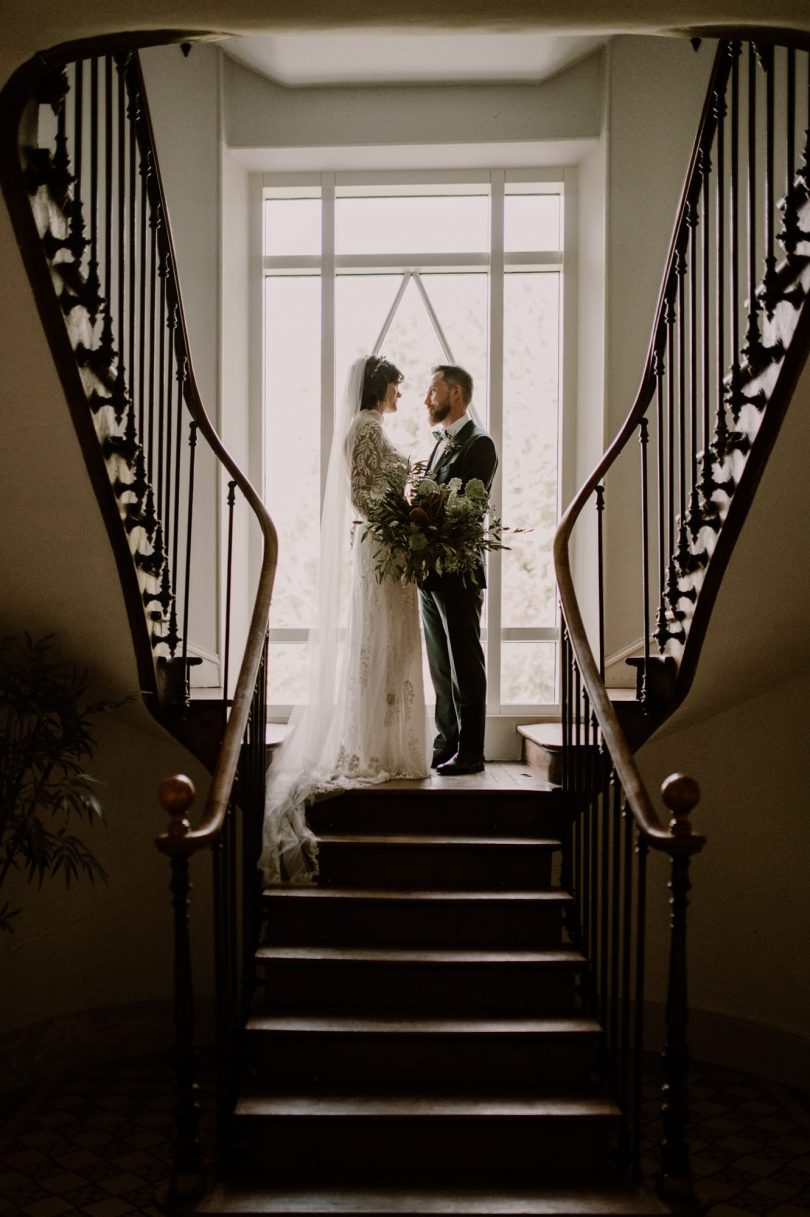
x: 465, y: 268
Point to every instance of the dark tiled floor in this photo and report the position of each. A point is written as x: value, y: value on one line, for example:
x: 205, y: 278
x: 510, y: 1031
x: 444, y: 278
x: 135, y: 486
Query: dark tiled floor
x: 99, y: 1144
x: 749, y: 1142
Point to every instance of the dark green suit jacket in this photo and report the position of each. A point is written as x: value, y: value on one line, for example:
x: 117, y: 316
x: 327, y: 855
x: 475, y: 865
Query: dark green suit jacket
x: 472, y: 455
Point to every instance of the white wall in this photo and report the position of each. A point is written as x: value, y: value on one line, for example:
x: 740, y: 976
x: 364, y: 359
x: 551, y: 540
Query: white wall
x: 183, y: 95
x: 750, y: 904
x: 656, y: 89
x: 260, y: 114
x: 589, y: 423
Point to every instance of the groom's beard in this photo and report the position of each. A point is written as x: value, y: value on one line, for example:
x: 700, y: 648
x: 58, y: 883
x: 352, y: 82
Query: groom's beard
x: 438, y: 413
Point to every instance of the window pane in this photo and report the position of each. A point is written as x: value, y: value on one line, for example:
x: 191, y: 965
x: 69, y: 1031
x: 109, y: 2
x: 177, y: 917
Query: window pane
x: 412, y: 224
x: 292, y: 226
x: 529, y: 456
x: 362, y: 305
x: 287, y: 673
x: 531, y: 222
x: 528, y: 673
x: 293, y: 436
x: 461, y: 303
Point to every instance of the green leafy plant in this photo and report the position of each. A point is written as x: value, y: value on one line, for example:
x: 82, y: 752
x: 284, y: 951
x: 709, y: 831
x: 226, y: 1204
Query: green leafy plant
x: 46, y: 735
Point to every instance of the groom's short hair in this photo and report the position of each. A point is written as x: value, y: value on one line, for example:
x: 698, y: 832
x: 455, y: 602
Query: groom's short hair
x: 455, y: 375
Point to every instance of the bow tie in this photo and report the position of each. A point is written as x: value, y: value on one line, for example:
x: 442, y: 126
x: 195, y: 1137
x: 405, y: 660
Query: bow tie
x: 440, y: 433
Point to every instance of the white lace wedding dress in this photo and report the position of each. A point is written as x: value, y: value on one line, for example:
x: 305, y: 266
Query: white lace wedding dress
x: 371, y: 727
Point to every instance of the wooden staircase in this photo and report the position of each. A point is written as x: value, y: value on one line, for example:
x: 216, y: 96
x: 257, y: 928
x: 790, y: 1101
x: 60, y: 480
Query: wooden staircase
x: 417, y: 1042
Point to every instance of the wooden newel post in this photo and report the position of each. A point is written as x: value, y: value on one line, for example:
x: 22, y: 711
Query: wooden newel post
x: 674, y: 1180
x: 176, y: 796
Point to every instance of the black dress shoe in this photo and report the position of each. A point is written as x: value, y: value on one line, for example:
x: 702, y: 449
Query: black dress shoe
x: 461, y: 764
x: 440, y: 755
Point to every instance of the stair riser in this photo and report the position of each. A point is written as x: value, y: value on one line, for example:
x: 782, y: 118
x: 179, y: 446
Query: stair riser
x: 362, y: 987
x: 520, y: 923
x: 530, y: 815
x: 472, y: 1144
x: 346, y: 864
x: 546, y: 762
x: 435, y: 1064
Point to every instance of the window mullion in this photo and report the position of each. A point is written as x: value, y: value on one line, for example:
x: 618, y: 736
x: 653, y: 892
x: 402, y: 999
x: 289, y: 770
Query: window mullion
x: 327, y: 321
x: 496, y: 285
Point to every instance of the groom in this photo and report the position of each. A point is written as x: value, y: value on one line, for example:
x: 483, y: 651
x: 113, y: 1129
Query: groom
x: 451, y: 611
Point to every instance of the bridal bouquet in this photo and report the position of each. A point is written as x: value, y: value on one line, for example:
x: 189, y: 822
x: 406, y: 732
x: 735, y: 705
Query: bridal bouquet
x: 422, y: 527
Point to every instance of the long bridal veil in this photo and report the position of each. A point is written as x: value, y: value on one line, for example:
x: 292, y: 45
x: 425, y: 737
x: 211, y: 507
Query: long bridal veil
x: 306, y: 763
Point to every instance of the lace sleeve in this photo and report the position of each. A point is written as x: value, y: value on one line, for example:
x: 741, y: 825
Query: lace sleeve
x: 372, y: 456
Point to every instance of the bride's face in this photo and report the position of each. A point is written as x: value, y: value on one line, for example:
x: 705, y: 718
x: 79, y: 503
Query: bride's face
x: 389, y: 402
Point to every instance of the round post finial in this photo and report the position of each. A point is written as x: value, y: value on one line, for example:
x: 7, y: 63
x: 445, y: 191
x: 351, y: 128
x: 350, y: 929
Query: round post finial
x: 176, y: 795
x: 681, y: 795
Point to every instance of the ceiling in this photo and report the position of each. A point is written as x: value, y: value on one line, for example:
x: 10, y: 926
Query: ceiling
x: 351, y: 58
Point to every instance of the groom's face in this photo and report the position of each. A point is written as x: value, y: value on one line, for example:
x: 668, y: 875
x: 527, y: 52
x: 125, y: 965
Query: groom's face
x: 442, y: 400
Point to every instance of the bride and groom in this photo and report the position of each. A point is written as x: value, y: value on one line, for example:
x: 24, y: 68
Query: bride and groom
x: 364, y: 721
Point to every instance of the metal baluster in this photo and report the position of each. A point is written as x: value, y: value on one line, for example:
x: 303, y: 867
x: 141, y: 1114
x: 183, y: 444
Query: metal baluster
x: 659, y: 365
x: 734, y: 237
x: 720, y: 441
x: 791, y: 232
x: 176, y: 797
x: 228, y: 586
x: 106, y: 348
x: 624, y: 1001
x: 192, y: 445
x: 143, y: 171
x: 178, y: 450
x: 583, y: 739
x: 706, y: 473
x: 769, y: 292
x: 600, y: 566
x: 695, y: 520
x: 615, y: 933
x: 642, y: 849
x: 221, y: 972
x: 77, y: 237
x: 674, y: 1180
x: 159, y: 372
x: 579, y: 886
x: 604, y: 881
x: 93, y: 297
x: 643, y: 438
x: 753, y: 344
x: 681, y: 270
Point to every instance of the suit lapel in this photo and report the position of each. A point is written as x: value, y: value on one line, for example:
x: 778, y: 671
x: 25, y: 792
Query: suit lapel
x: 456, y: 448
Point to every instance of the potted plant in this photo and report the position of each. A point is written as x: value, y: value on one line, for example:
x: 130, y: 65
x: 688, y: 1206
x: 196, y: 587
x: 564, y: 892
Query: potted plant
x: 46, y: 736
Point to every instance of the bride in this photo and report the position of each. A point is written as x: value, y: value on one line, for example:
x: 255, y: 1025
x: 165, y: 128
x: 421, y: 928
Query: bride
x: 364, y: 721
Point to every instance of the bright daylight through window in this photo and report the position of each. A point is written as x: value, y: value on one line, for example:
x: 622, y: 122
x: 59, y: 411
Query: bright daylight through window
x: 466, y: 271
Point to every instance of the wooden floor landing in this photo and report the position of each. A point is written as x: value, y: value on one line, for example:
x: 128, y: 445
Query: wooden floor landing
x: 498, y: 775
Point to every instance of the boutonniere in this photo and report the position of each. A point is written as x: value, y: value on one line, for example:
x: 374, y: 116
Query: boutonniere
x: 451, y: 443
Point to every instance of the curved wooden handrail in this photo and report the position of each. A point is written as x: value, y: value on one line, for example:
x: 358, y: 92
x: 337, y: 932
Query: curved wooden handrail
x: 15, y: 96
x: 228, y: 758
x: 645, y: 815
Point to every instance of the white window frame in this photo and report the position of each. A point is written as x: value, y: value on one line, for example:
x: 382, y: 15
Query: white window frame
x: 498, y: 263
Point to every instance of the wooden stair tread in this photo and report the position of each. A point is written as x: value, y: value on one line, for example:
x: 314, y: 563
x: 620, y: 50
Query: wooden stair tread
x: 548, y: 735
x: 420, y: 1106
x: 438, y: 842
x: 311, y: 892
x: 441, y: 1197
x: 423, y: 1025
x: 424, y: 955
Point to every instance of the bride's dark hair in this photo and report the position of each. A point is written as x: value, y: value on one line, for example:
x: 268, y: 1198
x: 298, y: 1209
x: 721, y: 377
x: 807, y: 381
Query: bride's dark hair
x: 379, y: 374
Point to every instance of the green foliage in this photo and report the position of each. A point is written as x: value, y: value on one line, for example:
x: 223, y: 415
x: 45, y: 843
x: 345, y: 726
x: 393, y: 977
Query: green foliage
x: 420, y: 526
x: 46, y: 735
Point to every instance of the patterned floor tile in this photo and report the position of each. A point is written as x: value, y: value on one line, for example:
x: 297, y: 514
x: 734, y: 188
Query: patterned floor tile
x: 99, y: 1145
